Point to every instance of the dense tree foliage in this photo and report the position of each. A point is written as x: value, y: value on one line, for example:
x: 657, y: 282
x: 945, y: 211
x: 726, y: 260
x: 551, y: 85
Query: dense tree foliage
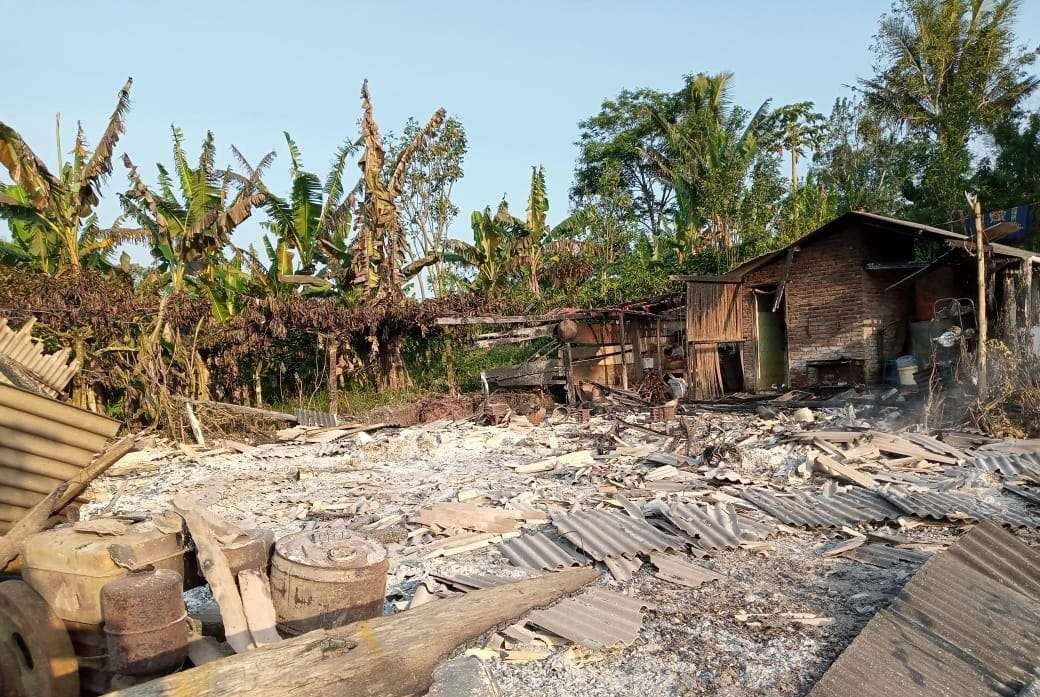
x: 665, y: 182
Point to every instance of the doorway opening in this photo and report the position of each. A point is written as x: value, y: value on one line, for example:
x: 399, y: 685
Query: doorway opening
x: 771, y: 325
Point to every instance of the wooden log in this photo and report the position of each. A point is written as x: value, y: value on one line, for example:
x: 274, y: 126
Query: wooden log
x: 248, y: 411
x: 390, y: 656
x: 196, y: 427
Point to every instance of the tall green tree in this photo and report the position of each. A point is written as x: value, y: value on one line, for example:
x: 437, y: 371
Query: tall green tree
x: 427, y: 208
x: 52, y: 218
x: 945, y: 70
x: 863, y: 161
x: 493, y: 255
x: 624, y: 139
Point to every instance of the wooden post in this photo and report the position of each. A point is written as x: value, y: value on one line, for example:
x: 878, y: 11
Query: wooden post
x: 980, y: 310
x: 624, y: 352
x: 568, y: 367
x: 333, y: 353
x: 1027, y: 304
x: 449, y: 361
x: 660, y: 350
x: 637, y: 350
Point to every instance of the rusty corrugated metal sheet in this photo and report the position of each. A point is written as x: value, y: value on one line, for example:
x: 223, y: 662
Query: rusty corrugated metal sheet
x: 673, y: 568
x: 818, y: 510
x: 602, y: 534
x: 53, y: 369
x: 942, y: 505
x: 965, y: 625
x: 536, y: 551
x: 43, y: 442
x: 597, y: 618
x: 713, y: 527
x: 1012, y: 466
x: 886, y: 556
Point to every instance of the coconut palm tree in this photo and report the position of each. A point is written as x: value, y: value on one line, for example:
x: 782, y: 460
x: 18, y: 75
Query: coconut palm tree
x: 711, y: 149
x: 51, y: 217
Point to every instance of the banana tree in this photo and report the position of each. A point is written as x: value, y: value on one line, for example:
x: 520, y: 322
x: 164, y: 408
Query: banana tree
x: 310, y: 227
x: 494, y: 252
x: 189, y: 234
x: 381, y: 246
x: 52, y: 217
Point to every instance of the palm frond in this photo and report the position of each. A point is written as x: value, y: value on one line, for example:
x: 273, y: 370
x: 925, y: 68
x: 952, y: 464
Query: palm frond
x: 100, y: 164
x: 26, y: 169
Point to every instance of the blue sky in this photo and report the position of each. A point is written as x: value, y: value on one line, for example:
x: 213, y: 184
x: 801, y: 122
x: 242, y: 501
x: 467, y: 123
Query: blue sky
x: 520, y: 75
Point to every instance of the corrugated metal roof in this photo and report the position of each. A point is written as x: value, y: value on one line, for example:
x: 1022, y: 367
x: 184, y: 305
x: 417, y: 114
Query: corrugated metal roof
x: 53, y: 369
x: 964, y: 625
x: 942, y: 505
x: 805, y: 509
x: 1028, y: 493
x: 677, y: 570
x: 1012, y: 466
x: 602, y: 534
x: 597, y: 619
x: 886, y: 556
x: 713, y: 527
x: 43, y: 443
x: 536, y: 551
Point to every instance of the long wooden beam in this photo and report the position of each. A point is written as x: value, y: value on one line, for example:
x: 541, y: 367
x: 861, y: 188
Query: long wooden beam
x: 390, y: 656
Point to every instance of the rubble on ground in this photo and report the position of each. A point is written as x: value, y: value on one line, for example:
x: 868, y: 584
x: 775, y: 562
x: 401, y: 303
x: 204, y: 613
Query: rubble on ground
x: 743, y: 550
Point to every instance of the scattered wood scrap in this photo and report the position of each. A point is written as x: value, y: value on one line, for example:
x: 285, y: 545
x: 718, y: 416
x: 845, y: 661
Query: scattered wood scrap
x: 469, y: 516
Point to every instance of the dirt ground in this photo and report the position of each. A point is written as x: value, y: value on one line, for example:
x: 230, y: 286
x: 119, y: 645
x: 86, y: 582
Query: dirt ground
x: 724, y: 638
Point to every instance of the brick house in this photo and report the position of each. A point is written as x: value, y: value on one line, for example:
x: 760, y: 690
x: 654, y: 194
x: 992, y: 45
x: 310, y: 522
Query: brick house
x: 839, y: 304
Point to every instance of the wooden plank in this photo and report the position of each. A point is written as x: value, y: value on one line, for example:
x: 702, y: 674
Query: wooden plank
x: 887, y: 443
x: 214, y: 566
x: 491, y: 319
x: 837, y: 470
x: 392, y: 656
x: 258, y: 606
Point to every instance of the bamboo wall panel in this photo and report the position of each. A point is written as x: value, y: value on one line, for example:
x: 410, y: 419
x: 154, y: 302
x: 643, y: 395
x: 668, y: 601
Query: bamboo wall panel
x: 713, y: 312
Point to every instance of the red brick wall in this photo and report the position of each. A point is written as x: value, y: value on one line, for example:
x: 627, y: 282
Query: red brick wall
x: 833, y: 307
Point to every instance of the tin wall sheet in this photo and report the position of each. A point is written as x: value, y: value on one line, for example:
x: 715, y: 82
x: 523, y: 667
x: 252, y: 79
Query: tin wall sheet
x: 804, y: 509
x: 42, y: 441
x: 322, y: 419
x: 1028, y: 493
x: 1012, y: 466
x: 964, y: 625
x: 536, y: 551
x: 602, y: 534
x: 597, y: 619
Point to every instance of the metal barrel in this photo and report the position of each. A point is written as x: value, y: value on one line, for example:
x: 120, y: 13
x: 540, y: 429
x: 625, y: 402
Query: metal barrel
x: 145, y: 622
